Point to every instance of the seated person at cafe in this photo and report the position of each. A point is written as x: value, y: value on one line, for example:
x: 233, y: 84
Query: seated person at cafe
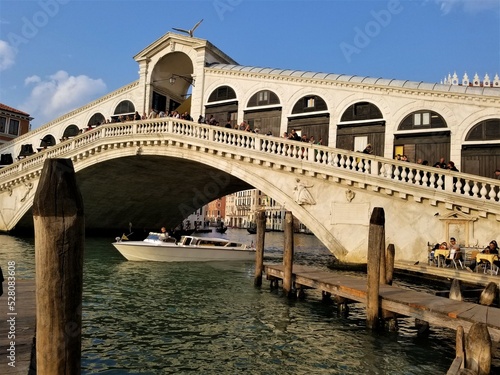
x: 455, y: 252
x: 492, y: 248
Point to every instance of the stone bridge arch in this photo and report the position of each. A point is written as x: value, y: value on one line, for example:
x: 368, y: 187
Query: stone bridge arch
x: 147, y: 168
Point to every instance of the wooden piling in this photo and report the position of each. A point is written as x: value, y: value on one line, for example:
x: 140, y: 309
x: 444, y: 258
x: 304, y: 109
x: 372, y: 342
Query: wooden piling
x: 259, y: 247
x: 478, y: 349
x: 488, y: 294
x: 288, y: 255
x: 59, y: 242
x: 376, y: 236
x: 456, y: 290
x: 390, y: 254
x: 386, y: 275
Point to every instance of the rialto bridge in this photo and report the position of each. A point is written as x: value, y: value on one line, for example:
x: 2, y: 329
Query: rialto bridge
x: 155, y: 172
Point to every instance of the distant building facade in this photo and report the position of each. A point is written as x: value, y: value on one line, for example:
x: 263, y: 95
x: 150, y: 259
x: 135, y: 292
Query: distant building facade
x: 13, y: 123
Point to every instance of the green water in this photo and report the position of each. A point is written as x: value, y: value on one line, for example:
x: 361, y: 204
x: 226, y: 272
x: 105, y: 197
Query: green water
x: 208, y: 318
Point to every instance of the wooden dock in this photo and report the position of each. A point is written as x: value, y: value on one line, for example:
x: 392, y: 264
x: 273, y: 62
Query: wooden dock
x: 24, y: 328
x: 438, y: 311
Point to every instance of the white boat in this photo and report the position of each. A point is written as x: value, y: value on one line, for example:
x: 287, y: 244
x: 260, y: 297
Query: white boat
x: 188, y: 249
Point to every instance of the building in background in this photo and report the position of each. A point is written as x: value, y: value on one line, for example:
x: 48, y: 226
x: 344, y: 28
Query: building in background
x: 216, y: 211
x: 13, y: 123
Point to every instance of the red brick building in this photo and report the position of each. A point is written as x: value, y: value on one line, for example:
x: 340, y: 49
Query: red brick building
x: 13, y: 123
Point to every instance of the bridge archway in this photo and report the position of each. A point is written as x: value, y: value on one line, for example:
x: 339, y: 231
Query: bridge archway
x: 171, y: 79
x: 71, y: 131
x: 423, y: 134
x: 263, y: 111
x: 481, y: 153
x: 222, y: 104
x: 96, y: 119
x: 362, y: 123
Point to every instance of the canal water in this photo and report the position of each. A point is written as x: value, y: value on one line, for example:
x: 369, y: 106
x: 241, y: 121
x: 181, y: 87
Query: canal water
x: 208, y: 318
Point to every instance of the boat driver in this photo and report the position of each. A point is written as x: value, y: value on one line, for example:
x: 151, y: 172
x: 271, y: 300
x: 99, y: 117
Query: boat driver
x: 164, y: 234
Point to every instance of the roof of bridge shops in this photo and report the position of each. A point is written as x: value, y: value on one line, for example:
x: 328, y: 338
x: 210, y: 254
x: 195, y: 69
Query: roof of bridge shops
x: 459, y: 88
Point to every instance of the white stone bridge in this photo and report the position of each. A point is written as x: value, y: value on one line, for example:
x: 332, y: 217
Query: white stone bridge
x: 155, y: 172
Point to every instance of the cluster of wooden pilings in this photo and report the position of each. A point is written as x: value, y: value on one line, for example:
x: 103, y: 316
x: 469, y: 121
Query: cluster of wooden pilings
x: 474, y: 351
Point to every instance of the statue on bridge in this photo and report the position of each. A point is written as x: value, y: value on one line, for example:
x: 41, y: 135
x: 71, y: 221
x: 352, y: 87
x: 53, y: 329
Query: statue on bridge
x: 302, y: 195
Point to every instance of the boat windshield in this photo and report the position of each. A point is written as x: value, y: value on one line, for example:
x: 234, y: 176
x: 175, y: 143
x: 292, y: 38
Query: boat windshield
x: 152, y: 237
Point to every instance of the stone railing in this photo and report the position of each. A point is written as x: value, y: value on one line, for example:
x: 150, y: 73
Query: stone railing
x: 459, y: 184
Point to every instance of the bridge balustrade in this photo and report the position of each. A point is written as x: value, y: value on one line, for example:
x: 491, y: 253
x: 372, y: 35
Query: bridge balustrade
x: 465, y: 185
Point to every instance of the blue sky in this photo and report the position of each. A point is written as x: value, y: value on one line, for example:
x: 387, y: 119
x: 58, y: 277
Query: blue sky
x: 57, y: 55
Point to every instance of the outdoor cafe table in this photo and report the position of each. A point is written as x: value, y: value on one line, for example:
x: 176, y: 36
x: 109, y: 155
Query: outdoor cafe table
x: 488, y: 257
x: 441, y: 252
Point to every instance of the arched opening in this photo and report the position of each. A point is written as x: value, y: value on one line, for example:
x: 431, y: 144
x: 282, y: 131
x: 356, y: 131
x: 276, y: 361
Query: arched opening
x: 310, y: 118
x: 47, y: 141
x: 124, y: 111
x: 222, y: 106
x: 172, y: 80
x: 481, y: 149
x: 264, y: 113
x: 70, y: 131
x: 362, y: 124
x: 96, y: 120
x: 423, y: 135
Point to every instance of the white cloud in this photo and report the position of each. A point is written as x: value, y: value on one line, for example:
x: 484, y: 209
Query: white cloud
x: 60, y: 93
x: 470, y: 6
x: 32, y: 79
x: 7, y: 55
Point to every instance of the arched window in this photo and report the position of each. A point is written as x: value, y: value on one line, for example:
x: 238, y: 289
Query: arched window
x: 125, y: 107
x: 361, y: 111
x: 422, y: 120
x: 309, y: 103
x: 263, y: 97
x: 71, y: 131
x: 222, y: 93
x: 96, y: 119
x: 486, y: 130
x: 48, y: 141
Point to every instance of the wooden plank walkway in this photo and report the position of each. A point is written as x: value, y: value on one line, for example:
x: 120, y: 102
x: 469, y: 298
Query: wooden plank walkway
x: 25, y: 318
x: 435, y: 310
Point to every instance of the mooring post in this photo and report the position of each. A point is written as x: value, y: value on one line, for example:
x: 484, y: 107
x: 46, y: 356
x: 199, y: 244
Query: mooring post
x: 259, y: 247
x: 288, y: 254
x: 478, y: 349
x: 456, y: 290
x: 488, y: 294
x: 59, y: 242
x: 386, y: 275
x: 376, y: 236
x: 390, y: 253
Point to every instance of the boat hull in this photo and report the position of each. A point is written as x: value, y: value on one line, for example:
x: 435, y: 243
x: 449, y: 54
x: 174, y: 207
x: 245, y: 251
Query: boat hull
x: 141, y: 251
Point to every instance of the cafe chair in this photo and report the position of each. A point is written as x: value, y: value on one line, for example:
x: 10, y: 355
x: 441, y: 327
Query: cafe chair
x: 457, y: 260
x: 490, y: 268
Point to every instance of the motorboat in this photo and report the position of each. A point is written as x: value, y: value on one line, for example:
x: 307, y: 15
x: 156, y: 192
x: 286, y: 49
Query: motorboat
x: 158, y: 248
